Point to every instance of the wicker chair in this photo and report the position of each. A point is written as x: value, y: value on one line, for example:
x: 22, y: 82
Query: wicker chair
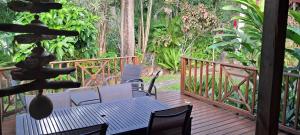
x: 174, y: 121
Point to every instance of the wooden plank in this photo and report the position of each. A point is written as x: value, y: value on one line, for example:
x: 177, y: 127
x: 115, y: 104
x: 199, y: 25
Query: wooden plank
x: 271, y: 66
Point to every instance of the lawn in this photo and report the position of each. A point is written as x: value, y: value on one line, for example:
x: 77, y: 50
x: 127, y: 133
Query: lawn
x: 166, y: 82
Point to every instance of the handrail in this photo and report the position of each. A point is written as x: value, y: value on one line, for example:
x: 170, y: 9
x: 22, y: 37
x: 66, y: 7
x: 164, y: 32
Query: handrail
x: 223, y: 63
x: 71, y: 61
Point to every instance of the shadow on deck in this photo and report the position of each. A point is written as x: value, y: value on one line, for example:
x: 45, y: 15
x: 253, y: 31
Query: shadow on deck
x: 207, y: 119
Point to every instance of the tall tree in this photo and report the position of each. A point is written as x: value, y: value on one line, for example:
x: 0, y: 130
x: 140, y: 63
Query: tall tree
x: 127, y: 28
x: 148, y: 24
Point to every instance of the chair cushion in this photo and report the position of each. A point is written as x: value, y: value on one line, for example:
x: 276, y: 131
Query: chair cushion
x: 115, y: 92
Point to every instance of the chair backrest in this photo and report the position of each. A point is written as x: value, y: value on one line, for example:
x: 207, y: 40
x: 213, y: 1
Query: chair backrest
x: 59, y: 100
x: 100, y: 130
x: 115, y: 92
x: 131, y: 71
x: 174, y: 121
x: 84, y: 95
x: 152, y: 82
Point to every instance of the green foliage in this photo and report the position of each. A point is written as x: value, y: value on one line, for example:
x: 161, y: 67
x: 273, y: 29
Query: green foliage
x: 166, y: 33
x: 7, y: 16
x: 108, y: 55
x: 216, y: 6
x: 242, y: 44
x: 71, y: 17
x: 188, y: 33
x: 169, y: 58
x: 199, y: 49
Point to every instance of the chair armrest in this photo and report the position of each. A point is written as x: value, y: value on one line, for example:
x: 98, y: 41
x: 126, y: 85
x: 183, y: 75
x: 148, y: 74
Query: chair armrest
x: 81, y: 102
x: 155, y: 90
x: 135, y: 80
x: 138, y: 82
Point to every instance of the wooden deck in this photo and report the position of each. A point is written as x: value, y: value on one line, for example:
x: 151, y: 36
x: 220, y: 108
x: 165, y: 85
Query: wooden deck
x: 207, y: 119
x: 211, y: 120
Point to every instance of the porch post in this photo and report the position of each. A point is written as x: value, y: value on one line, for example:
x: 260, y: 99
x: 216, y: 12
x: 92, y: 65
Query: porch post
x: 271, y: 67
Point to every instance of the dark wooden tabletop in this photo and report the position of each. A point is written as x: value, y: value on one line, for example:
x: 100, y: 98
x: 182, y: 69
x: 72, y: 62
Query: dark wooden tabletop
x: 121, y: 116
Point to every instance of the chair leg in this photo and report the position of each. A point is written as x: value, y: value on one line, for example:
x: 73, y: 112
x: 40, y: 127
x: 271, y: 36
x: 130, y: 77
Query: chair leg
x: 155, y: 92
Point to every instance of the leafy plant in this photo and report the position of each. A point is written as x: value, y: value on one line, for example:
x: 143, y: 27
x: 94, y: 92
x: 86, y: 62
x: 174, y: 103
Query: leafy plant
x: 70, y: 17
x: 244, y: 43
x: 169, y: 59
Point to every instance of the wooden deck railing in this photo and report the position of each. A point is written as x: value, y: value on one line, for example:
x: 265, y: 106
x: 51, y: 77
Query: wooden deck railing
x: 290, y: 101
x: 234, y: 87
x: 89, y: 72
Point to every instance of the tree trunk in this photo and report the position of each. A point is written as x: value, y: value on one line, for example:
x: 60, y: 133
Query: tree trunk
x: 102, y: 43
x: 103, y: 30
x: 148, y: 24
x: 127, y: 28
x: 142, y: 30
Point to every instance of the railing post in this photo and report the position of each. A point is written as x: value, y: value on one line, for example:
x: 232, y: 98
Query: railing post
x: 183, y: 73
x: 135, y: 60
x: 220, y: 84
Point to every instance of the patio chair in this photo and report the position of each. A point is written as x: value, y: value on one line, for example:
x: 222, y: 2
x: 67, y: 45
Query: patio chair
x: 84, y: 95
x: 59, y: 100
x: 115, y: 92
x: 174, y: 121
x: 139, y: 91
x: 130, y: 72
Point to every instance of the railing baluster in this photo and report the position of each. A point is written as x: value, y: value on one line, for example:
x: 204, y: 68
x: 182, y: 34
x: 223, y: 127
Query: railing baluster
x: 127, y: 60
x: 69, y: 75
x: 285, y: 95
x: 60, y: 67
x: 82, y: 77
x: 121, y: 64
x: 183, y: 75
x: 190, y: 74
x: 108, y: 68
x: 115, y: 68
x: 103, y: 64
x: 220, y: 83
x: 254, y: 91
x: 213, y: 82
x: 297, y: 104
x: 76, y: 71
x: 201, y: 78
x: 206, y: 80
x: 195, y: 76
x: 247, y: 90
x: 225, y: 85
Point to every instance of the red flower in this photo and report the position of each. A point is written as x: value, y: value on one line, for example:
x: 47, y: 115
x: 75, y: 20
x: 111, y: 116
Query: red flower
x: 235, y: 24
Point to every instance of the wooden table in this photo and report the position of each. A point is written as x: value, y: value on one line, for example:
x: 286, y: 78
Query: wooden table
x: 124, y: 116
